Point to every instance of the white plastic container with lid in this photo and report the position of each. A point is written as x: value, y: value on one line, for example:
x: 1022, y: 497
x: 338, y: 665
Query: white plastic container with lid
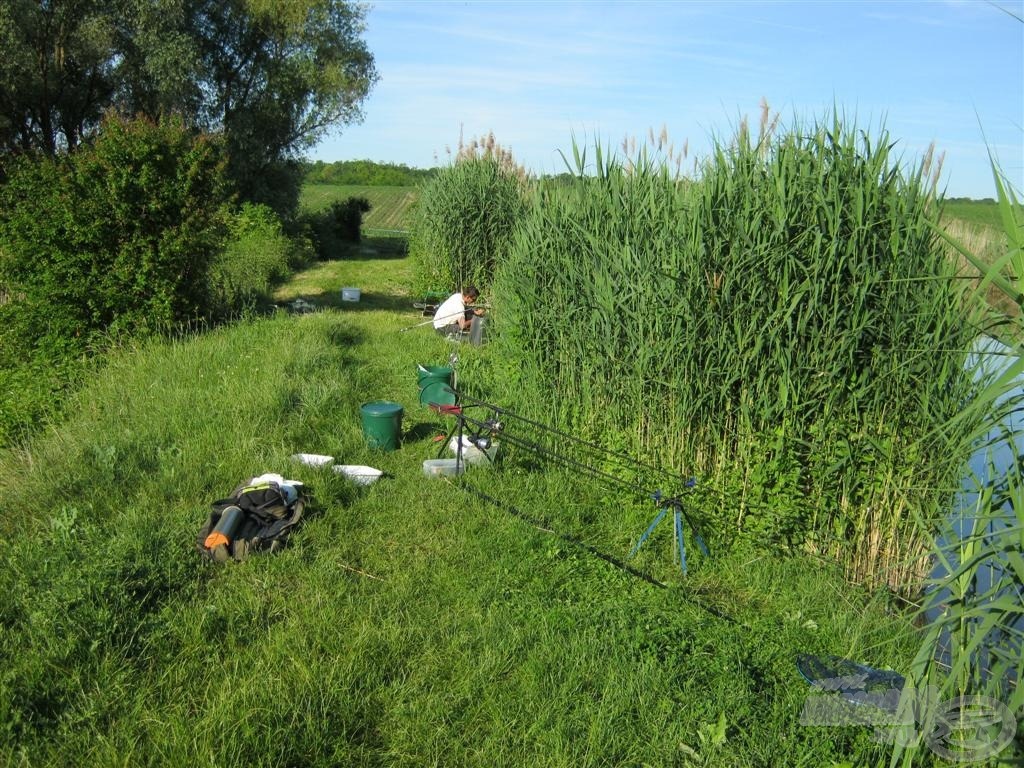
x: 350, y: 294
x: 443, y: 467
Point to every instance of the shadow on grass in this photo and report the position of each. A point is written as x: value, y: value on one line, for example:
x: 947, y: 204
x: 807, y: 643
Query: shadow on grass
x: 368, y: 301
x: 343, y: 336
x: 424, y: 430
x: 372, y: 248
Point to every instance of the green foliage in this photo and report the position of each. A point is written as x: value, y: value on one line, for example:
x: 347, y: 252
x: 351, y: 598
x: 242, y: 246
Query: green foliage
x: 348, y: 217
x: 257, y: 257
x: 55, y: 74
x: 365, y: 173
x: 116, y: 238
x: 337, y: 227
x: 273, y: 77
x: 785, y: 328
x: 465, y: 219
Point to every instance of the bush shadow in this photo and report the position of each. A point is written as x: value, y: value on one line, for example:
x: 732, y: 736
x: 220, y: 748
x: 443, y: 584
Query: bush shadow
x: 372, y: 248
x: 368, y: 301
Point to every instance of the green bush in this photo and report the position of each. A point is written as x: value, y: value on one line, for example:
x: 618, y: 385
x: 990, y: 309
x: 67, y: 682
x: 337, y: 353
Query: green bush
x: 115, y: 238
x: 466, y: 217
x: 339, y: 225
x: 347, y: 217
x: 257, y: 257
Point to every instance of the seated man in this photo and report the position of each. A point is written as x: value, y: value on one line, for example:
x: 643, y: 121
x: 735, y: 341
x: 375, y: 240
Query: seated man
x: 452, y: 316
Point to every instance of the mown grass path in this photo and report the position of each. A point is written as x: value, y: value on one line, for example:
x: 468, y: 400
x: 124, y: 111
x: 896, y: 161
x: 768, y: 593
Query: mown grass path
x: 409, y: 623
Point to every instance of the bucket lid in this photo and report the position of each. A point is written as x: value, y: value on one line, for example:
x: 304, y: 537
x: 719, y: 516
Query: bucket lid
x: 381, y: 408
x: 437, y: 393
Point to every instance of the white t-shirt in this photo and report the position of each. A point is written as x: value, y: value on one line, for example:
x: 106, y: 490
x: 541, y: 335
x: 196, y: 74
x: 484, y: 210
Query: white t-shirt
x: 450, y: 311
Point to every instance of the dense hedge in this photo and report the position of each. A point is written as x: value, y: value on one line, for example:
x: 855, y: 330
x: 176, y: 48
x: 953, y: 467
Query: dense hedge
x: 130, y: 235
x: 117, y: 237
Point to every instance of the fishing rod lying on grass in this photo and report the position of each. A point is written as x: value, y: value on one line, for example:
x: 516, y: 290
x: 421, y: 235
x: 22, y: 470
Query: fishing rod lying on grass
x: 816, y: 670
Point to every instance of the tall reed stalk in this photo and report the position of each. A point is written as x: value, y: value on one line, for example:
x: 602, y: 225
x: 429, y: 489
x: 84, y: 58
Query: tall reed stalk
x: 465, y: 217
x: 971, y: 651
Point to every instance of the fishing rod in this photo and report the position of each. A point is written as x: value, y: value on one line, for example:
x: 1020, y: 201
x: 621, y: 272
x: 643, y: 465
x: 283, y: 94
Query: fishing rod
x: 493, y: 425
x: 625, y: 458
x: 672, y: 504
x: 450, y: 317
x: 625, y: 567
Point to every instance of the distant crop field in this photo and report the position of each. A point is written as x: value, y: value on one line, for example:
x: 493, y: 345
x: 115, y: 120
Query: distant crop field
x: 390, y: 206
x: 984, y: 212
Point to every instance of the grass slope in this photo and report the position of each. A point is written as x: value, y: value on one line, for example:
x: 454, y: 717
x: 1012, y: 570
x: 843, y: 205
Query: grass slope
x: 389, y: 205
x: 409, y: 623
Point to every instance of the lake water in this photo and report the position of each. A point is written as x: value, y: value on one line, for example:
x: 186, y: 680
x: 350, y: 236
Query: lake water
x: 998, y: 454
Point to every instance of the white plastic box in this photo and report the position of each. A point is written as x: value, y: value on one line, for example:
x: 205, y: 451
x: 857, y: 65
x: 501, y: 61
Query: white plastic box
x: 350, y: 294
x: 442, y: 467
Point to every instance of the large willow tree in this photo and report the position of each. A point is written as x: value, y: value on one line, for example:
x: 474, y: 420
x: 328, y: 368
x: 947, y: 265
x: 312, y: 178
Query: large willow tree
x: 273, y: 76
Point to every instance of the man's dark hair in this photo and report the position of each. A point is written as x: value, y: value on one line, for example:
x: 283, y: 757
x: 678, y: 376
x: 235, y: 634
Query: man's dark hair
x: 471, y: 291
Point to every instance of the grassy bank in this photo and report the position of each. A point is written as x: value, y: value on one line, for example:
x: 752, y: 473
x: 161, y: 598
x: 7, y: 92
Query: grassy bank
x: 409, y: 623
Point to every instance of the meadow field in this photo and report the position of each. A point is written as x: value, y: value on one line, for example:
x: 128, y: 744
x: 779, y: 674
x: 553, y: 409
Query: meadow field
x: 409, y: 623
x: 389, y: 209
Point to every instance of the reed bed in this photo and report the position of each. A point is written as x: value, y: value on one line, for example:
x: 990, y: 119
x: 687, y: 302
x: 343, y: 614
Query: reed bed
x: 466, y: 216
x: 785, y: 326
x: 973, y: 611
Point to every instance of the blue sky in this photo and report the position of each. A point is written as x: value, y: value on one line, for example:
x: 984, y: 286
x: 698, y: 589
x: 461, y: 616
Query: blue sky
x: 538, y: 73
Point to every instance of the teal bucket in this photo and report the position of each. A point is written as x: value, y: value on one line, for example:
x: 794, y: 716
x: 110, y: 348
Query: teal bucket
x: 433, y: 374
x: 382, y: 424
x: 437, y: 393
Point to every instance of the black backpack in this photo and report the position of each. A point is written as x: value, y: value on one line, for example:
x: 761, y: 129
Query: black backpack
x: 257, y: 517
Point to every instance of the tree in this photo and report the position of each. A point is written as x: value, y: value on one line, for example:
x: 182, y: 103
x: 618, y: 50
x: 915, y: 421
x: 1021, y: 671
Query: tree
x: 56, y: 73
x: 272, y: 75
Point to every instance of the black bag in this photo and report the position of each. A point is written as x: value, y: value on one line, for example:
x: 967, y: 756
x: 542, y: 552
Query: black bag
x: 257, y: 517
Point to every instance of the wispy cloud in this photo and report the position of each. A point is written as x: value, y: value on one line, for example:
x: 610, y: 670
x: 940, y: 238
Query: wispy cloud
x: 536, y: 72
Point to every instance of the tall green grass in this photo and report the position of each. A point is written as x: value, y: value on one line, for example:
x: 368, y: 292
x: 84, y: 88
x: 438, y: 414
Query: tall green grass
x: 972, y: 645
x: 784, y: 326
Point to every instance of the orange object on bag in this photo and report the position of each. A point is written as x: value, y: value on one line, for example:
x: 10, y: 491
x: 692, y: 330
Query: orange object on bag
x: 225, y: 529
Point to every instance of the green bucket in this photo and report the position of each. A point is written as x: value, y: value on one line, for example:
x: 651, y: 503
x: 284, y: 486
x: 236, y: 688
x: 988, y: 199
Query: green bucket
x: 382, y: 424
x: 437, y: 393
x: 433, y: 374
